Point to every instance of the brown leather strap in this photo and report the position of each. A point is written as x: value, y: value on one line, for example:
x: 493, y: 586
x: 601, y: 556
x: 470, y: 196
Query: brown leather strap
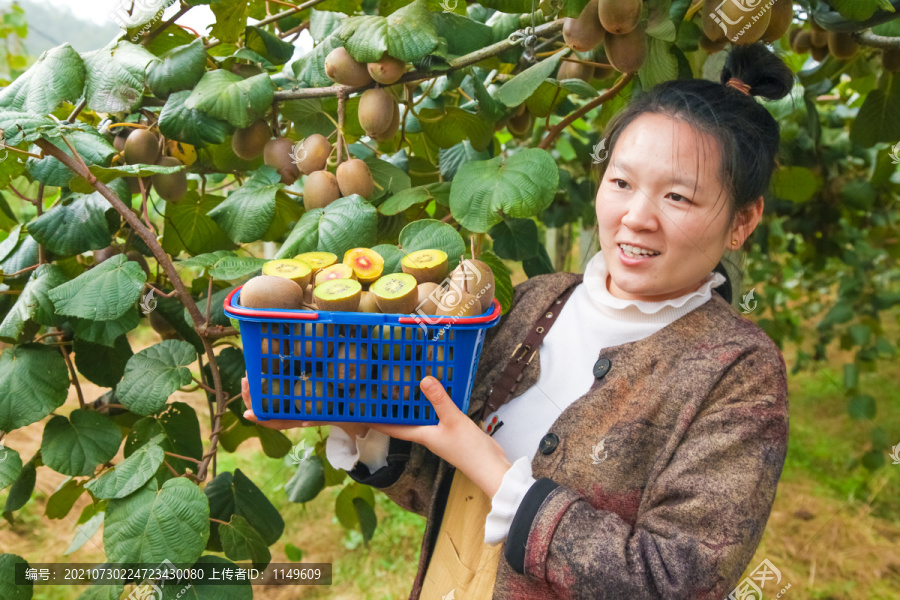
x: 506, y: 383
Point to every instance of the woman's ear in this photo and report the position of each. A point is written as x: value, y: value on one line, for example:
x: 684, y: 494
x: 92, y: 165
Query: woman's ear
x: 746, y: 222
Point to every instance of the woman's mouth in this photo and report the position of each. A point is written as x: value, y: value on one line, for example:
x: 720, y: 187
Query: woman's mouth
x: 632, y: 255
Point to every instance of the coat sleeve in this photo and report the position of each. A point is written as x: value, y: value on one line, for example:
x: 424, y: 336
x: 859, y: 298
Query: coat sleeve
x: 700, y: 522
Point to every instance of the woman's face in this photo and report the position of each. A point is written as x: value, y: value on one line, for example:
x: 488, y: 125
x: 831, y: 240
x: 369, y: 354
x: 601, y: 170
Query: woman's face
x: 647, y: 198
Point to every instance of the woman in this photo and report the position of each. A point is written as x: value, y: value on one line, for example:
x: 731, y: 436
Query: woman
x: 639, y: 454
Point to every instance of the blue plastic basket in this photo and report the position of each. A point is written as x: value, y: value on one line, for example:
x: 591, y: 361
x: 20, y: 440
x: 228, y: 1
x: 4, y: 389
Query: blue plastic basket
x: 350, y: 366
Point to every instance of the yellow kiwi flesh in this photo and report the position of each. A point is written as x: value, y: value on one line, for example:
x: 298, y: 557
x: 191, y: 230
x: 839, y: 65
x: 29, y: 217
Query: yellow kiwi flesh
x: 290, y: 268
x: 339, y: 295
x: 367, y: 264
x: 396, y: 293
x: 426, y: 265
x: 336, y: 271
x: 317, y: 260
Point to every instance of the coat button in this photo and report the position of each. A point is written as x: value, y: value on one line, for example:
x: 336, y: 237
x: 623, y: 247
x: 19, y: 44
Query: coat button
x: 601, y: 368
x: 549, y: 443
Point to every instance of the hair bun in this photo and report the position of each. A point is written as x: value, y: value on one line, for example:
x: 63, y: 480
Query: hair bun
x: 759, y: 68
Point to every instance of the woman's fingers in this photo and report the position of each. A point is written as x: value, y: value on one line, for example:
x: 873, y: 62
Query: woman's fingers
x: 447, y: 411
x: 245, y: 393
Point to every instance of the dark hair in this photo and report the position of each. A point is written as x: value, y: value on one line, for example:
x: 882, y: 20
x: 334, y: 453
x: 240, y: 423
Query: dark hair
x: 747, y: 134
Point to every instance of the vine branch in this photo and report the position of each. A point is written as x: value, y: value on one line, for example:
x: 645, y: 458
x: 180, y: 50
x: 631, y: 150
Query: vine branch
x: 868, y: 38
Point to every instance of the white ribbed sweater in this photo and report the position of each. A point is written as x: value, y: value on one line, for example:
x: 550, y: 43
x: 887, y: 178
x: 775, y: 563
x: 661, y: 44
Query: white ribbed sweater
x: 592, y: 319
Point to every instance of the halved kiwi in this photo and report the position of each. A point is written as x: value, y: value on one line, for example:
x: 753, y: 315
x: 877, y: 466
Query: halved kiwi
x: 425, y: 265
x: 366, y: 263
x: 396, y: 293
x: 317, y: 260
x: 339, y: 295
x: 267, y: 291
x: 338, y: 271
x: 290, y: 268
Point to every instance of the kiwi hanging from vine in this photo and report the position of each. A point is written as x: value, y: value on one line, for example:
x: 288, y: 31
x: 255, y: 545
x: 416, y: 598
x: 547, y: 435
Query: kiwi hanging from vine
x: 171, y: 187
x: 278, y: 153
x: 585, y: 32
x: 386, y: 71
x: 342, y: 68
x: 250, y: 142
x: 626, y: 53
x: 355, y: 177
x: 619, y: 16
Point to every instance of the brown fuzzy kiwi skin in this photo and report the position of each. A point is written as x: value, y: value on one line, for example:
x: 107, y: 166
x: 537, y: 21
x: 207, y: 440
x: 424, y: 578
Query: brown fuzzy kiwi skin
x: 387, y: 70
x: 342, y: 68
x: 248, y: 143
x: 320, y: 190
x: 710, y: 46
x: 474, y: 285
x: 119, y: 141
x: 376, y: 108
x: 574, y: 70
x: 782, y: 14
x: 626, y: 53
x: 277, y: 153
x: 171, y: 187
x: 756, y: 30
x: 267, y: 291
x: 890, y: 60
x: 347, y: 369
x: 163, y: 327
x: 711, y: 29
x: 467, y: 306
x: 619, y: 16
x: 584, y: 33
x: 354, y: 177
x: 141, y: 147
x: 368, y: 303
x: 818, y: 37
x: 347, y: 304
x: 819, y: 53
x: 801, y: 43
x: 521, y: 125
x: 393, y: 126
x: 307, y: 348
x: 842, y: 46
x: 429, y: 295
x: 316, y: 150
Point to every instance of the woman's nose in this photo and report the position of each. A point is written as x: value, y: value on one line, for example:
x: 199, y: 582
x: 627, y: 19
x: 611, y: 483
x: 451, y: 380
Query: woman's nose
x: 641, y: 213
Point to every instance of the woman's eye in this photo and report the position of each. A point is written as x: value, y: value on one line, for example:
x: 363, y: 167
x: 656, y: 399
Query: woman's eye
x: 679, y: 197
x: 620, y: 183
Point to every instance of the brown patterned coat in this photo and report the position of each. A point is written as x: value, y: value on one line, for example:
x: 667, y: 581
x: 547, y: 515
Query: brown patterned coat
x: 695, y: 423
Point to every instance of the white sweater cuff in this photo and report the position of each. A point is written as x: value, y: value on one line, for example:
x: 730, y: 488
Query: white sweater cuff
x: 344, y: 453
x: 506, y: 501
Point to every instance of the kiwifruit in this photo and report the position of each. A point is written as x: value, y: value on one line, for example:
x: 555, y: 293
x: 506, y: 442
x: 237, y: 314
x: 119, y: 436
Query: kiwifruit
x: 376, y: 109
x: 819, y: 53
x: 307, y: 348
x: 711, y: 47
x: 171, y: 187
x: 245, y: 70
x: 186, y: 153
x: 313, y: 154
x: 368, y: 303
x: 320, y: 190
x: 336, y: 271
x: 137, y: 257
x: 119, y: 140
x: 802, y: 42
x: 387, y: 70
x: 317, y: 260
x: 394, y: 379
x: 425, y: 265
x: 475, y: 276
x: 267, y: 291
x: 782, y: 14
x: 429, y: 295
x: 354, y: 177
x: 619, y: 16
x: 290, y: 268
x: 521, y: 125
x: 134, y: 185
x: 626, y: 53
x: 395, y: 342
x: 308, y: 298
x: 396, y: 293
x: 141, y: 147
x: 105, y: 254
x: 339, y: 295
x: 250, y: 142
x: 890, y: 60
x: 585, y: 32
x: 711, y: 28
x: 842, y: 46
x: 353, y: 371
x: 280, y: 350
x: 367, y: 264
x: 393, y: 127
x: 818, y: 37
x: 435, y: 354
x: 278, y: 153
x: 458, y: 303
x: 342, y: 68
x: 574, y: 70
x: 310, y: 395
x: 163, y: 327
x: 745, y: 30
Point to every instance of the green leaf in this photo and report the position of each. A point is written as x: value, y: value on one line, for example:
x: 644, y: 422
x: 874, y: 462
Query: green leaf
x: 307, y: 482
x: 106, y: 333
x: 483, y: 192
x: 90, y: 145
x: 60, y: 503
x: 450, y: 126
x: 189, y: 227
x: 101, y: 364
x: 310, y: 68
x: 308, y: 116
x: 274, y: 443
x: 392, y: 256
x: 128, y: 476
x: 579, y: 87
x: 21, y: 489
x: 107, y: 174
x: 76, y: 225
x: 247, y: 212
x: 225, y: 96
x: 450, y: 159
x: 24, y: 253
x: 9, y: 589
x: 344, y: 506
x: 431, y: 233
x: 413, y: 196
x: 188, y: 125
x: 854, y: 10
x: 288, y: 211
x: 368, y: 521
x: 346, y: 223
x: 33, y: 307
x: 88, y: 524
x: 152, y: 525
x: 224, y: 265
x: 236, y: 495
x: 545, y: 100
x: 515, y: 91
x: 274, y: 49
x: 34, y: 380
x: 115, y: 77
x: 503, y: 288
x: 515, y: 239
x: 388, y: 176
x: 242, y: 542
x: 56, y: 76
x: 293, y: 553
x: 462, y: 34
x: 230, y: 591
x: 154, y: 374
x: 180, y: 428
x: 10, y: 467
x: 861, y: 407
x: 75, y: 446
x: 24, y: 126
x: 231, y: 19
x: 178, y: 69
x: 409, y: 34
x: 661, y: 65
x: 876, y: 120
x: 512, y: 6
x: 103, y: 293
x: 539, y: 264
